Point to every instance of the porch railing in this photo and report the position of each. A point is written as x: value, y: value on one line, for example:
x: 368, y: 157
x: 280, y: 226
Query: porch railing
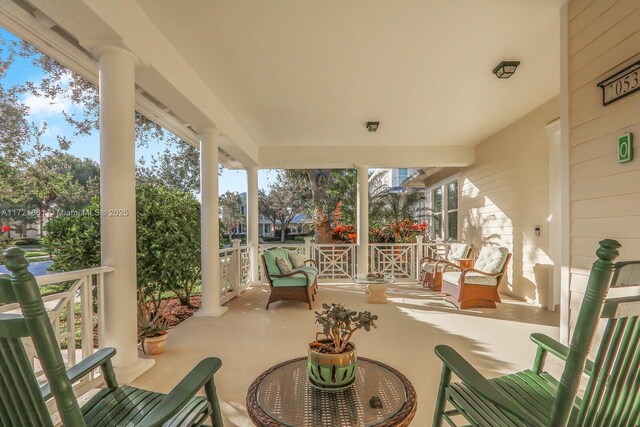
x: 234, y: 271
x: 339, y: 261
x: 75, y: 312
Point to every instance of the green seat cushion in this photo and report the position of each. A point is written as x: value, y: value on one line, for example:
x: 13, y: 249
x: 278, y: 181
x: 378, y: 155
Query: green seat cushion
x: 533, y: 393
x: 126, y: 406
x: 297, y: 280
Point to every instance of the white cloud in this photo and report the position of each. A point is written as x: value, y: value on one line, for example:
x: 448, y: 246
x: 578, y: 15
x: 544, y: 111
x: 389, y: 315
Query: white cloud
x: 44, y: 107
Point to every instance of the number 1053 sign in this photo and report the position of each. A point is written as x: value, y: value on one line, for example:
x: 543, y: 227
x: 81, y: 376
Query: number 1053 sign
x: 621, y: 84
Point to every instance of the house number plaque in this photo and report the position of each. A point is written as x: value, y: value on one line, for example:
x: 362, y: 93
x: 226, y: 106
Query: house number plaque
x: 621, y: 84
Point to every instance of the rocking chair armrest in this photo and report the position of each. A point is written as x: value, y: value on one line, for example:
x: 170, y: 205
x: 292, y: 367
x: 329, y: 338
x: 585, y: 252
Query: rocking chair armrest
x: 84, y: 367
x: 182, y: 393
x: 312, y: 261
x: 479, y: 384
x: 547, y: 344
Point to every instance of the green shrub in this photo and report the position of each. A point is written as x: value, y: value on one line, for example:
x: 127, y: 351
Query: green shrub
x: 168, y: 241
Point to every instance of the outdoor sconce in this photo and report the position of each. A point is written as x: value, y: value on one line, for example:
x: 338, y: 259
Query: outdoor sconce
x: 372, y: 126
x: 505, y: 69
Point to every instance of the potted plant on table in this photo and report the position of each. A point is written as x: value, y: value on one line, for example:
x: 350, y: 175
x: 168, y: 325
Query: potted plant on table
x: 332, y: 359
x: 152, y: 326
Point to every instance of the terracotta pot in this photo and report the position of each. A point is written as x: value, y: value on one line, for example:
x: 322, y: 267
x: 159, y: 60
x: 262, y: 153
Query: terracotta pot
x: 155, y: 345
x: 332, y: 371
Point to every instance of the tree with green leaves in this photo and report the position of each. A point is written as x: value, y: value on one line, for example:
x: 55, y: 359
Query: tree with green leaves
x: 230, y: 204
x: 287, y: 198
x: 168, y: 241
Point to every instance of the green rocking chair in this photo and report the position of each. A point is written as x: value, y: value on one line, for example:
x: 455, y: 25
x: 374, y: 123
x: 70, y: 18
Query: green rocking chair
x: 534, y: 397
x: 22, y: 400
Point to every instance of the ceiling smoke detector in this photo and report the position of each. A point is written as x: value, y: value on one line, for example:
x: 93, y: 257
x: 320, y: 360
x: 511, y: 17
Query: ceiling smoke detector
x: 372, y: 126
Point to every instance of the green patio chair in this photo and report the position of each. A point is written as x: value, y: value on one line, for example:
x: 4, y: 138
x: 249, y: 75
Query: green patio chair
x: 534, y: 397
x: 22, y: 399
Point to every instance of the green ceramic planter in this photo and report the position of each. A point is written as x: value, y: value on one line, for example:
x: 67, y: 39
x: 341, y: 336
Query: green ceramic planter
x: 332, y: 371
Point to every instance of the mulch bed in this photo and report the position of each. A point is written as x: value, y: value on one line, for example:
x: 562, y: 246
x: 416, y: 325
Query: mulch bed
x: 173, y: 311
x: 177, y: 313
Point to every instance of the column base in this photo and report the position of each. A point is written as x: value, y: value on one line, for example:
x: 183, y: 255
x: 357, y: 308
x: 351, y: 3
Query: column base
x: 211, y: 312
x: 127, y: 374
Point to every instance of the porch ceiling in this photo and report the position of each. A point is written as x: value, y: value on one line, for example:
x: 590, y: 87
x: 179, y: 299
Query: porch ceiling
x: 310, y: 74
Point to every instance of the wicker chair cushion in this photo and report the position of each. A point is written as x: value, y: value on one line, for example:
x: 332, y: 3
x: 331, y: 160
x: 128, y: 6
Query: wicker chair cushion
x: 491, y: 259
x: 470, y: 279
x: 296, y: 259
x: 457, y: 250
x: 284, y: 265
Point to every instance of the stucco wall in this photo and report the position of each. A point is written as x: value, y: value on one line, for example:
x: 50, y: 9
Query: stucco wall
x: 504, y: 195
x: 603, y: 37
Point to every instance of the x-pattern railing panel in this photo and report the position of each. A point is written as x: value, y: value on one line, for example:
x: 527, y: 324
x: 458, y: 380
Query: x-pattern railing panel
x: 397, y: 259
x: 335, y: 261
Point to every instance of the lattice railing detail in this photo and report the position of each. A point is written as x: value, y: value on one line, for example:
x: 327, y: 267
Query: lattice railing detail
x: 335, y: 261
x: 227, y: 271
x: 397, y: 259
x: 245, y: 265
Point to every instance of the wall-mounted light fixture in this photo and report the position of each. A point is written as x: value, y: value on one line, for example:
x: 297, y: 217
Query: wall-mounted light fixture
x: 372, y: 126
x: 505, y: 69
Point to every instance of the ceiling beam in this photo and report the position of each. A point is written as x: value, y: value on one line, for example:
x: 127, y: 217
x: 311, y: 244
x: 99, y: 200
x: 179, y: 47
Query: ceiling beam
x: 306, y: 157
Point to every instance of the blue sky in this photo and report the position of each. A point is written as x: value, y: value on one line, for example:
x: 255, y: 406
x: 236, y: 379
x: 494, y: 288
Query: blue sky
x: 44, y: 110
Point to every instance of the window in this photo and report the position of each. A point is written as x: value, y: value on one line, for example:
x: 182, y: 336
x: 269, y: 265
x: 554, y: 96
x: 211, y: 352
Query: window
x: 452, y: 210
x: 402, y: 175
x: 436, y: 206
x: 444, y: 211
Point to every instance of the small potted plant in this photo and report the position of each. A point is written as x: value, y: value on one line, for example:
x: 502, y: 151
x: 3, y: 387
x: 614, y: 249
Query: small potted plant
x: 152, y: 327
x: 332, y: 359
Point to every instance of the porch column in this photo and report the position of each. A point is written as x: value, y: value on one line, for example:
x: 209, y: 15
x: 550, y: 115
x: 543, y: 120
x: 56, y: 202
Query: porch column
x: 363, y: 220
x: 253, y: 223
x: 210, y: 227
x: 118, y: 209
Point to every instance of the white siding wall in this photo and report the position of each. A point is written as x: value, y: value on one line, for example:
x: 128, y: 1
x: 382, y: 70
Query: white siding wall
x: 504, y: 195
x: 604, y: 36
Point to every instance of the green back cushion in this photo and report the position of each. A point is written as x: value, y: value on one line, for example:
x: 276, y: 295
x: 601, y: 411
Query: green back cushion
x: 270, y: 259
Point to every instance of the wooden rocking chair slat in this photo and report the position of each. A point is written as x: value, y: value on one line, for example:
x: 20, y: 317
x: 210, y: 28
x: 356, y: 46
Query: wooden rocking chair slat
x: 23, y: 401
x: 534, y: 397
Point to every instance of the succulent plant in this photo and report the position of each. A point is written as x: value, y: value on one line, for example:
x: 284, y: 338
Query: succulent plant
x: 338, y: 326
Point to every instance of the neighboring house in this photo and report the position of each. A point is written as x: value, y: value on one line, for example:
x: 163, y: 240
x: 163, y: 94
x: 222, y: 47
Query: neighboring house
x: 301, y: 224
x: 391, y: 178
x: 394, y: 180
x: 265, y: 228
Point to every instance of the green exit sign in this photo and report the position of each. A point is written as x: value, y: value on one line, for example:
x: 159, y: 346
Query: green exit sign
x: 625, y: 148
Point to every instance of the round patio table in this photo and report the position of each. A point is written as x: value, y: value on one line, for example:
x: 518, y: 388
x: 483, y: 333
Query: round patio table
x: 283, y: 396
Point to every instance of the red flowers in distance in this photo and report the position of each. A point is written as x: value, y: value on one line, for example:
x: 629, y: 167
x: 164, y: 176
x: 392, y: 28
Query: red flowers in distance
x: 5, y: 228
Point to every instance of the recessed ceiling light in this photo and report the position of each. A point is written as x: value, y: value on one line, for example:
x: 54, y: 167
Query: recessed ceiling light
x: 505, y: 69
x: 372, y: 126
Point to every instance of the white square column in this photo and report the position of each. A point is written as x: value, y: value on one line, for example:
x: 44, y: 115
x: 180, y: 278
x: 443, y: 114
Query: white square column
x: 210, y: 226
x: 253, y: 223
x: 363, y: 220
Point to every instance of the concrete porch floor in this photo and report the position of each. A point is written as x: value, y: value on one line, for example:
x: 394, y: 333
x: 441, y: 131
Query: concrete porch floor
x: 250, y: 339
